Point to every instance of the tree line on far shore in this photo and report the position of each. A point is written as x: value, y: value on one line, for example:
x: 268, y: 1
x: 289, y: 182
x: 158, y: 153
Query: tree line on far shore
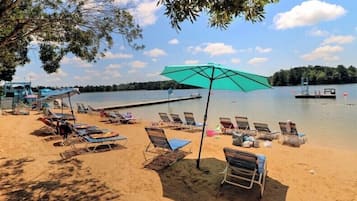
x: 316, y: 75
x: 153, y: 85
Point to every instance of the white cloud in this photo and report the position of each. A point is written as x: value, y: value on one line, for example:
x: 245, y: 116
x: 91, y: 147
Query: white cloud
x: 235, y: 61
x: 93, y: 73
x: 325, y: 53
x: 257, y: 60
x: 213, y: 49
x: 156, y: 52
x: 338, y: 40
x: 153, y: 74
x: 76, y: 61
x: 33, y: 76
x: 138, y: 64
x: 263, y: 50
x: 174, y: 41
x: 144, y: 12
x: 191, y: 62
x: 113, y: 67
x: 308, y: 13
x: 318, y: 32
x: 59, y: 73
x: 110, y: 55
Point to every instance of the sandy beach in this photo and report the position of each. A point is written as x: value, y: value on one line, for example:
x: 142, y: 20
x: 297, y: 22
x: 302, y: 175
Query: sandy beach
x: 35, y: 166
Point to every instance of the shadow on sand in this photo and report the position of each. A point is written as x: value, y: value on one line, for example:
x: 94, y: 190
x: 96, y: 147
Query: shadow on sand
x: 182, y: 181
x: 67, y: 180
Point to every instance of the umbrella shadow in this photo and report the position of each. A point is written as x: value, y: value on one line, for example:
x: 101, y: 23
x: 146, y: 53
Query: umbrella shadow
x: 67, y: 180
x: 183, y: 181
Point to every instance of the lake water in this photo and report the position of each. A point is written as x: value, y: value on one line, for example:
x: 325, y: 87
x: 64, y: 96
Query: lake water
x: 326, y: 122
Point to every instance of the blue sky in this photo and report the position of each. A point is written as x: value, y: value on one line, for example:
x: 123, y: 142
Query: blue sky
x: 294, y: 33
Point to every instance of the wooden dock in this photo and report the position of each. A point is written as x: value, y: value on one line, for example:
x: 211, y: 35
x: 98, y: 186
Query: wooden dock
x: 145, y: 103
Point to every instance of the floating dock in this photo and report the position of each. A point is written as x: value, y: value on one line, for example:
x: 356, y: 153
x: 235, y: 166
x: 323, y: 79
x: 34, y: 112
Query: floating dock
x: 145, y: 103
x: 330, y: 96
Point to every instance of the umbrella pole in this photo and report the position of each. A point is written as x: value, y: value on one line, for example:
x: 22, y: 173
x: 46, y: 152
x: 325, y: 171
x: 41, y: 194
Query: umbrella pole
x: 204, y: 122
x: 70, y: 105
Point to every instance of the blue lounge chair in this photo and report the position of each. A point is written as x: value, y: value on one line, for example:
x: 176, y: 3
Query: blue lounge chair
x: 159, y: 144
x: 102, y: 141
x: 244, y: 169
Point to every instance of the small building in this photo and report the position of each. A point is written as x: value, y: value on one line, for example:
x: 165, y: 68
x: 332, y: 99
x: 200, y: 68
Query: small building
x: 15, y: 93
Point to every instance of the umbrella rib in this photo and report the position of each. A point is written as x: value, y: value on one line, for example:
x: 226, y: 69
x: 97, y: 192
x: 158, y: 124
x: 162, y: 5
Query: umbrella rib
x: 237, y: 73
x: 202, y: 68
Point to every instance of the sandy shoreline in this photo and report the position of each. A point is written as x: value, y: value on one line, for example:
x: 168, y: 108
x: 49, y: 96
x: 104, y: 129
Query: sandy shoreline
x: 31, y: 168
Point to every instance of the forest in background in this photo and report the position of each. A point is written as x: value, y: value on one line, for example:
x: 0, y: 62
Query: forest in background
x: 315, y: 74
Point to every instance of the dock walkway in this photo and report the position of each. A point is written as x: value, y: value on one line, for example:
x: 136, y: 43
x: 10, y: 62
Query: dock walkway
x: 145, y: 103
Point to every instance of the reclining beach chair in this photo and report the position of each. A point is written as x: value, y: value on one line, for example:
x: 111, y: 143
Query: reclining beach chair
x: 244, y: 169
x: 264, y: 132
x: 81, y: 108
x: 227, y: 127
x: 103, y: 141
x: 178, y: 123
x: 52, y: 126
x: 166, y: 121
x: 290, y: 134
x: 243, y: 125
x: 114, y: 117
x: 126, y: 118
x: 160, y: 145
x: 190, y: 121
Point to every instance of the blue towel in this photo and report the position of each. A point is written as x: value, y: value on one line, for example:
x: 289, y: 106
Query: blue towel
x: 178, y: 143
x: 261, y: 163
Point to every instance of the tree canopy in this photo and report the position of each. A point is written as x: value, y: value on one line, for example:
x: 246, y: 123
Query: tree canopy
x: 221, y: 12
x: 85, y: 28
x: 315, y: 75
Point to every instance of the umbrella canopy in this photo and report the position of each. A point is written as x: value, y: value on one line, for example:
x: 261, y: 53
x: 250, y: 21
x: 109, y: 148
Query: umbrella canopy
x: 60, y: 94
x: 214, y: 76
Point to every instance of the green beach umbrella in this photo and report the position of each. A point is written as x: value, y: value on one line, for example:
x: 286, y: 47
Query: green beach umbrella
x: 214, y: 76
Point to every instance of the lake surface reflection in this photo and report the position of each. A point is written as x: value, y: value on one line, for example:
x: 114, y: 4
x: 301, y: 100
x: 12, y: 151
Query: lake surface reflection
x: 326, y: 122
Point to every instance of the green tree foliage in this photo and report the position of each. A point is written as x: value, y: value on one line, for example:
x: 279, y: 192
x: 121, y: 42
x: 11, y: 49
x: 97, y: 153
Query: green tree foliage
x: 221, y: 12
x: 84, y: 28
x: 154, y: 85
x: 315, y: 75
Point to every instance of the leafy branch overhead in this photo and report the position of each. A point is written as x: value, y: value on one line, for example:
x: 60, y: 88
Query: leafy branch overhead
x: 221, y: 12
x: 84, y: 28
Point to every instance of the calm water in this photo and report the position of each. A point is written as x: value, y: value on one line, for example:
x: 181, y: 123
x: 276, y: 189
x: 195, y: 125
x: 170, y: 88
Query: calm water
x: 325, y: 122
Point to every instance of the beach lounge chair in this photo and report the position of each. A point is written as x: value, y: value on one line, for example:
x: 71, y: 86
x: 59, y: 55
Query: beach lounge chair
x: 125, y: 118
x: 227, y: 127
x: 112, y: 117
x: 102, y: 141
x: 290, y: 135
x: 242, y: 123
x: 190, y: 121
x: 244, y: 169
x: 81, y: 108
x: 165, y: 120
x: 178, y: 122
x: 264, y: 132
x: 52, y: 126
x: 160, y: 145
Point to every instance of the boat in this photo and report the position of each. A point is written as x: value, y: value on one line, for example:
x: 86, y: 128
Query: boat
x: 329, y: 93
